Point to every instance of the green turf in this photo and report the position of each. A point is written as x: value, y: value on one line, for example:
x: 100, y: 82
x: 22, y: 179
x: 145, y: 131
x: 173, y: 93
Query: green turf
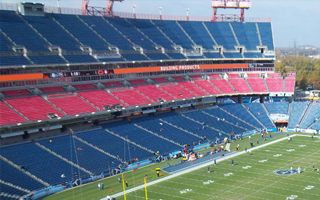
x: 90, y: 191
x: 257, y: 182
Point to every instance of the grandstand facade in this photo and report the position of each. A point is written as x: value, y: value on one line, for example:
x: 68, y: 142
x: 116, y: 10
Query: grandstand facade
x: 162, y: 83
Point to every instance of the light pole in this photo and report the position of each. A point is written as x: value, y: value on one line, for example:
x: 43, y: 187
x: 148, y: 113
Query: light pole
x: 160, y: 12
x: 134, y: 11
x: 188, y: 10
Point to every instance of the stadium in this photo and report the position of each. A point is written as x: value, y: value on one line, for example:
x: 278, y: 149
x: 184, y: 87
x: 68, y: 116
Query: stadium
x: 98, y: 104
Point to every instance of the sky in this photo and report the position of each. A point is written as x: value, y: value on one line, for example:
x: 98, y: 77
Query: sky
x: 294, y: 21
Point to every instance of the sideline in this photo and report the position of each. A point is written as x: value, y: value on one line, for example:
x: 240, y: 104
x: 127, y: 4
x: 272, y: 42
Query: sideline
x: 204, y: 165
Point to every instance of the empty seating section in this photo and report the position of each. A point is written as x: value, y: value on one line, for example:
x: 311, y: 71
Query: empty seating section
x: 82, y: 58
x: 257, y: 85
x: 8, y: 116
x: 312, y: 115
x: 89, y: 98
x: 114, y: 146
x: 277, y: 107
x: 7, y: 190
x: 152, y: 32
x: 13, y: 26
x: 289, y: 84
x: 207, y: 86
x: 41, y: 163
x: 49, y: 29
x: 52, y: 59
x: 5, y: 44
x: 198, y: 33
x: 193, y: 88
x: 160, y: 80
x: 296, y: 112
x: 71, y: 104
x: 81, y: 31
x: 265, y: 30
x: 113, y: 84
x: 240, y: 85
x: 131, y: 33
x: 222, y: 34
x: 132, y: 97
x: 217, y: 112
x: 138, y: 82
x: 192, y: 126
x: 177, y: 91
x: 242, y: 113
x: 53, y: 89
x: 247, y: 34
x: 85, y: 87
x: 218, y: 124
x: 168, y: 131
x: 101, y: 33
x: 100, y: 98
x: 16, y: 177
x: 106, y: 30
x: 223, y: 86
x: 79, y: 153
x: 260, y: 113
x: 143, y: 138
x: 275, y: 84
x: 154, y: 93
x: 174, y: 32
x: 13, y: 60
x: 14, y: 93
x: 34, y: 108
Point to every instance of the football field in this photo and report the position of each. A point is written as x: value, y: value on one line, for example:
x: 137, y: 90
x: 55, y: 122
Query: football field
x: 271, y: 172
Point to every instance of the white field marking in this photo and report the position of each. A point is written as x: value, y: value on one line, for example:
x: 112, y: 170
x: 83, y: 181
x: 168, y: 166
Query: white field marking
x: 201, y: 166
x: 277, y: 155
x: 290, y: 150
x: 263, y: 161
x: 185, y: 191
x: 208, y: 182
x: 292, y: 197
x: 302, y: 145
x: 309, y: 187
x: 246, y: 167
x: 228, y: 174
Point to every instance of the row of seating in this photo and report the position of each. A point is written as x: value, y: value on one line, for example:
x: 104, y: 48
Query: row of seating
x: 71, y: 32
x: 89, y: 99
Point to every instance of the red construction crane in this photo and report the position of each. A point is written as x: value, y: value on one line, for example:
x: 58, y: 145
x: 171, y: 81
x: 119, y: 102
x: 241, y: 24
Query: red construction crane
x: 108, y: 10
